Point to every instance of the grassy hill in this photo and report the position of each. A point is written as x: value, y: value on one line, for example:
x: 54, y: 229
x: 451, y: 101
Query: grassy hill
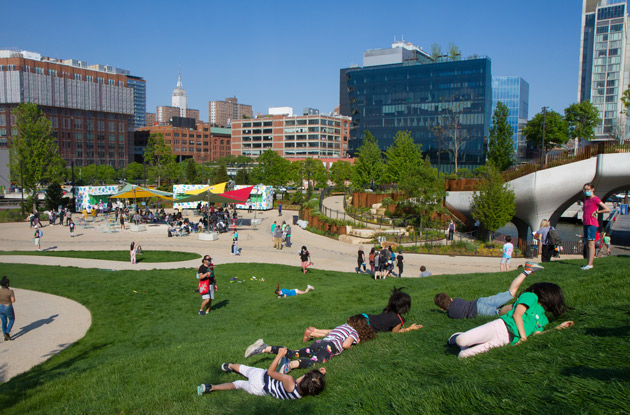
x: 147, y: 349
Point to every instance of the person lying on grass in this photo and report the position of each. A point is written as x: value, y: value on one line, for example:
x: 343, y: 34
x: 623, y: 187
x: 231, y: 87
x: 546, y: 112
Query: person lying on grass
x: 390, y: 319
x: 283, y: 292
x: 525, y: 319
x: 485, y: 306
x: 270, y: 382
x: 340, y: 338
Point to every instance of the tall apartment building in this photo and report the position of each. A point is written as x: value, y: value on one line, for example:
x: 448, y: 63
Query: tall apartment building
x: 320, y: 136
x: 93, y: 109
x: 513, y: 91
x: 403, y: 89
x: 605, y: 62
x: 150, y: 119
x: 222, y: 113
x: 202, y: 143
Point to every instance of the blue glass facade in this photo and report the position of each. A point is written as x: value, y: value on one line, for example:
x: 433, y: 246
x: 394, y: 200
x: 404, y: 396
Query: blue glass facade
x: 415, y: 97
x: 514, y: 93
x: 139, y: 86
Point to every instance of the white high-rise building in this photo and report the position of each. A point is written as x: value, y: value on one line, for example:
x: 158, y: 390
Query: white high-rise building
x: 179, y: 99
x: 605, y: 63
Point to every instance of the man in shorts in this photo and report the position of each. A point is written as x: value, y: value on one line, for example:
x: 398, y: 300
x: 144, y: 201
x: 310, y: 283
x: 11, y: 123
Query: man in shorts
x: 484, y: 306
x: 207, y: 284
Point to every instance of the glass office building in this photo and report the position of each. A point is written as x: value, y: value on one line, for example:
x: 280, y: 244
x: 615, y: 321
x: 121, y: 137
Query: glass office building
x: 139, y: 86
x: 416, y: 96
x: 513, y: 91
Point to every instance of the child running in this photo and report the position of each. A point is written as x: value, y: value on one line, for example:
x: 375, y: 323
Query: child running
x: 525, y: 319
x: 340, y: 338
x: 270, y: 382
x: 283, y: 292
x: 390, y: 319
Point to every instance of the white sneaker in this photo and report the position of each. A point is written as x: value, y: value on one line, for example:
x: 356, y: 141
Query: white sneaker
x: 310, y: 286
x: 256, y: 348
x: 585, y: 267
x: 533, y: 267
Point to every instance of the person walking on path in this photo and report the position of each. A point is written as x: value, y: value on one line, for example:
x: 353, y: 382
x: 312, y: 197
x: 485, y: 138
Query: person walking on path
x: 287, y: 240
x: 71, y: 228
x: 273, y: 229
x: 593, y: 206
x: 484, y: 306
x: 508, y: 247
x: 451, y: 230
x: 400, y: 261
x: 37, y: 238
x: 605, y: 244
x: 361, y: 260
x: 7, y: 314
x: 546, y: 250
x: 280, y: 209
x: 305, y: 257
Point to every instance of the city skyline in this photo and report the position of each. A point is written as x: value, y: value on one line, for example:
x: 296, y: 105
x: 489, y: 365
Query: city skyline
x: 290, y: 55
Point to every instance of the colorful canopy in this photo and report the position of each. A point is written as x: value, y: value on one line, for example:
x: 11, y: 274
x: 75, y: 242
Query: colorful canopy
x: 235, y: 196
x: 217, y: 188
x: 132, y: 191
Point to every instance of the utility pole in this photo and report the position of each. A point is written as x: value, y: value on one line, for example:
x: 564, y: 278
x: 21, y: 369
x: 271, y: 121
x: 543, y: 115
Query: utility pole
x: 22, y: 186
x: 73, y: 188
x: 544, y: 113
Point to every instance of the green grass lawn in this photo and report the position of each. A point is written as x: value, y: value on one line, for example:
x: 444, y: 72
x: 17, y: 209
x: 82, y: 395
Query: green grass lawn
x: 148, y: 350
x: 147, y: 256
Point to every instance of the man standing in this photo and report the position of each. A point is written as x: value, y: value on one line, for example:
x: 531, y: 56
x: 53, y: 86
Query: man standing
x: 277, y: 237
x: 207, y: 284
x: 592, y: 205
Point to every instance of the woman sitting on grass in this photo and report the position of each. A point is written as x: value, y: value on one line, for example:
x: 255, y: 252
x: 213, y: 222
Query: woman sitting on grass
x: 390, y: 319
x: 270, y: 382
x: 527, y: 317
x: 341, y: 338
x: 283, y: 292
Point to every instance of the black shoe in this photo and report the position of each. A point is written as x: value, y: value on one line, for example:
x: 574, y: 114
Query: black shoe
x: 226, y: 367
x: 7, y: 337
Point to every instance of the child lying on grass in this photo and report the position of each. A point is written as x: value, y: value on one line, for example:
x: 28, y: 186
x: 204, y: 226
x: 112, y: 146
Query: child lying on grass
x: 283, y: 292
x: 390, y: 319
x: 340, y: 338
x: 270, y: 382
x: 526, y: 318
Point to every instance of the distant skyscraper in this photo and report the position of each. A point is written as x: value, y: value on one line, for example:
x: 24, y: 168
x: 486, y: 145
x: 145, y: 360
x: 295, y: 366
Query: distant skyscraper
x: 179, y: 99
x: 604, y: 65
x: 513, y: 91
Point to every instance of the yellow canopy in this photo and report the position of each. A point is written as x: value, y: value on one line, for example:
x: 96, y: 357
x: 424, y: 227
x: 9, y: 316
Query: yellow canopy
x: 137, y: 192
x: 217, y: 188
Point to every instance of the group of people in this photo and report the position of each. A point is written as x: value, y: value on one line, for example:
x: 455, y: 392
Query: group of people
x: 382, y: 261
x: 281, y: 234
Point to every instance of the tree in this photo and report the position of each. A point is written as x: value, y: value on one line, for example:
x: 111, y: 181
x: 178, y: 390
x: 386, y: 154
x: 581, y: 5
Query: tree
x: 436, y: 51
x: 272, y: 169
x: 449, y: 128
x: 556, y: 130
x: 424, y: 191
x: 581, y: 119
x: 313, y: 171
x: 501, y: 145
x: 340, y: 173
x: 192, y: 175
x: 106, y: 174
x: 133, y: 172
x: 159, y: 156
x: 54, y: 196
x: 493, y: 205
x: 221, y: 174
x: 242, y: 177
x: 454, y: 53
x: 401, y: 157
x: 34, y: 155
x: 625, y: 100
x: 368, y: 167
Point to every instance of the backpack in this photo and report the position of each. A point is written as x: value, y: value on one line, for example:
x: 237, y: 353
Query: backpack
x: 553, y: 237
x: 372, y: 257
x: 39, y: 233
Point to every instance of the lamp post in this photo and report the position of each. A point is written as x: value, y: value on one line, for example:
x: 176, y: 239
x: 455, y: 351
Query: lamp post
x: 544, y: 113
x: 22, y: 186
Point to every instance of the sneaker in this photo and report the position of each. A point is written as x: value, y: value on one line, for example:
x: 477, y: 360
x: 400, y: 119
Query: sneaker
x: 256, y: 348
x: 201, y: 313
x: 533, y: 267
x: 204, y: 388
x: 586, y: 267
x: 284, y: 365
x: 310, y: 286
x: 452, y: 340
x: 226, y: 367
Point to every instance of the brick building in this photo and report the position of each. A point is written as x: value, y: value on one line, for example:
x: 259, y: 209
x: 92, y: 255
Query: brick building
x: 320, y: 136
x: 222, y: 113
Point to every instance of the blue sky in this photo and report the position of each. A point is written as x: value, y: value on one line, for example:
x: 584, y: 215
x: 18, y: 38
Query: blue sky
x: 289, y: 53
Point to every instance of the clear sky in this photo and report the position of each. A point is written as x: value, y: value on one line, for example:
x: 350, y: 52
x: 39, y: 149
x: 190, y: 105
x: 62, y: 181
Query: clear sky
x: 282, y: 53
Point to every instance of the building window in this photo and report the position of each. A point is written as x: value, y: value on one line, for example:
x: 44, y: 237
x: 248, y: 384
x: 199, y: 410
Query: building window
x: 89, y: 78
x: 99, y: 80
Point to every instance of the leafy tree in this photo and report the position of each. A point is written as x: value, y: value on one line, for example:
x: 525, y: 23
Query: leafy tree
x: 424, y: 191
x: 493, y: 205
x: 106, y: 174
x: 311, y: 170
x: 54, y: 196
x: 581, y: 118
x: 368, y: 167
x: 34, y: 155
x: 159, y: 156
x: 89, y: 174
x: 449, y: 130
x: 401, y: 157
x: 454, y: 53
x: 221, y: 174
x: 133, y: 172
x: 340, y: 173
x: 272, y: 169
x: 242, y: 177
x: 192, y: 175
x: 436, y: 51
x: 556, y: 130
x: 625, y: 100
x: 501, y: 145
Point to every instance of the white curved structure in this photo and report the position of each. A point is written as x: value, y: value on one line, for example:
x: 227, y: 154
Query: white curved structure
x: 547, y: 193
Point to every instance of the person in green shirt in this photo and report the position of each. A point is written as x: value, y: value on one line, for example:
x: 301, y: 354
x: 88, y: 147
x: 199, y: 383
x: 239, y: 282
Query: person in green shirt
x: 526, y: 318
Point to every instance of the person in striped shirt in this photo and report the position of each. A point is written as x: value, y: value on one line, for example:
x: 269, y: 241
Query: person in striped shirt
x: 337, y: 340
x: 270, y: 382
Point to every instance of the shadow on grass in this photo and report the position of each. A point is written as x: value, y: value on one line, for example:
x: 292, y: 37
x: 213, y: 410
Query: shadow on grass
x: 34, y: 325
x: 220, y: 304
x: 608, y: 331
x: 21, y: 386
x: 607, y: 374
